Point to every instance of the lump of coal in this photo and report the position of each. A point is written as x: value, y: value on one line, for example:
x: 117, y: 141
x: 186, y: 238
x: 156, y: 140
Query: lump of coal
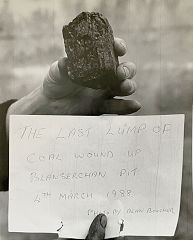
x: 89, y: 45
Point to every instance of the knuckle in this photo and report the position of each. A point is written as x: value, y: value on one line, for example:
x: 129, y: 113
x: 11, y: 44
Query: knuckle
x: 126, y: 70
x: 132, y: 69
x: 128, y: 87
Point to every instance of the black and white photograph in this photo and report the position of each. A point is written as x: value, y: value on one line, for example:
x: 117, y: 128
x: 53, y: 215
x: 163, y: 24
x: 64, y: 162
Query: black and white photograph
x: 96, y: 119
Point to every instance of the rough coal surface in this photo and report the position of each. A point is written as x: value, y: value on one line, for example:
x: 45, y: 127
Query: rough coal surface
x: 89, y: 46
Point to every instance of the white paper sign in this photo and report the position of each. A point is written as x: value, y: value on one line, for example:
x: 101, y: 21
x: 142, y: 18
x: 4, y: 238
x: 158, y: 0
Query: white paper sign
x: 64, y: 170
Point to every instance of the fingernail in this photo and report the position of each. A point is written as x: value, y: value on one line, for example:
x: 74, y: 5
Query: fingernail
x: 103, y: 221
x: 138, y: 106
x: 120, y: 47
x: 123, y: 44
x: 54, y: 71
x: 126, y: 72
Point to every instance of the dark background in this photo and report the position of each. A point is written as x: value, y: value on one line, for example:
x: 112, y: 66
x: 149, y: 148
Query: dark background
x: 159, y: 36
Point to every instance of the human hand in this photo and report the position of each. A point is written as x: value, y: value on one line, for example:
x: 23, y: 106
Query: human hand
x: 59, y: 96
x: 65, y: 97
x: 97, y: 228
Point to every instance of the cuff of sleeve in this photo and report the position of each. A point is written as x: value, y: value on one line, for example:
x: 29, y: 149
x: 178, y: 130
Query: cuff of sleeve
x: 4, y: 148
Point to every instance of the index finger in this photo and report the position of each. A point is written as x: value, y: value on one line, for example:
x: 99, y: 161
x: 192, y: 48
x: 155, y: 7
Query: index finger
x: 120, y: 46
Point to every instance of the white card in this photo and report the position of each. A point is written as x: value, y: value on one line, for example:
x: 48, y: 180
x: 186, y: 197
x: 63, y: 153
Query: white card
x: 64, y: 170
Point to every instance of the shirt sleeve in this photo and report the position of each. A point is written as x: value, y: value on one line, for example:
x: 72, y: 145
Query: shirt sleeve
x: 4, y: 149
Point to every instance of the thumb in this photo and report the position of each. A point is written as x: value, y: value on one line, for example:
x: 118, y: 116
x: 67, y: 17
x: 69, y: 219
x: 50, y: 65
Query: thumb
x: 97, y: 228
x: 57, y: 83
